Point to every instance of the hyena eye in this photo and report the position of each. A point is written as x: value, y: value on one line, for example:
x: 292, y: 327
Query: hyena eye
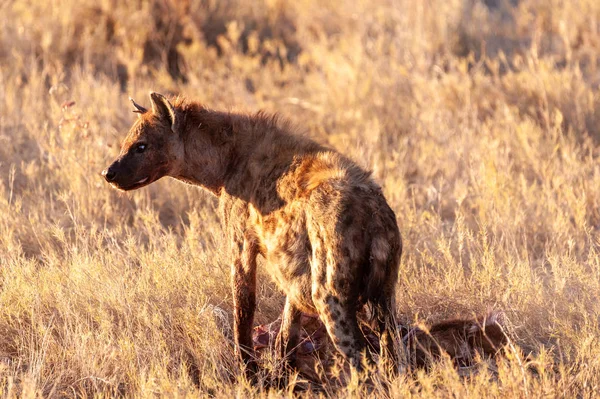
x: 140, y: 148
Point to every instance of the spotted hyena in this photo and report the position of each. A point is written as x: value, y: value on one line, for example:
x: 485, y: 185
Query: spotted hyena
x: 329, y: 239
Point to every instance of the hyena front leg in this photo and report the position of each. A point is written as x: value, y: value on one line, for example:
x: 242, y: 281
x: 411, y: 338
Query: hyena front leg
x: 289, y: 334
x: 243, y: 278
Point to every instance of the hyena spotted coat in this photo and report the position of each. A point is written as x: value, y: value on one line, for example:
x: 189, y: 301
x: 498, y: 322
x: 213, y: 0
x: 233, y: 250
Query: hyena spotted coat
x: 323, y: 226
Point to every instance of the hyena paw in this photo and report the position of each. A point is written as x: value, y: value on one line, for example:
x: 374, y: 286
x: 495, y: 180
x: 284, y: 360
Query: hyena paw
x: 251, y: 370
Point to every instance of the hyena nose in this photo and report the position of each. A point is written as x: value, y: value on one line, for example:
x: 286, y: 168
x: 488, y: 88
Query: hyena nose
x: 109, y: 174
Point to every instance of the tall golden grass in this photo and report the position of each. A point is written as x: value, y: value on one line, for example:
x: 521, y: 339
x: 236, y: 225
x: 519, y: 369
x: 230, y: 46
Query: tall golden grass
x: 480, y: 119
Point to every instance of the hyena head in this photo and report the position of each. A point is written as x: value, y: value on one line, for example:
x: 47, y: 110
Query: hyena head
x: 152, y: 149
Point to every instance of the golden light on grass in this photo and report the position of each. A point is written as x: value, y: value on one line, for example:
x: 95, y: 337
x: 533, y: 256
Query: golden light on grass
x: 480, y: 119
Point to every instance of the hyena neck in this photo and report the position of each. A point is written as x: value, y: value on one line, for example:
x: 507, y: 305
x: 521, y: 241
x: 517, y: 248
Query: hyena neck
x: 247, y: 155
x: 206, y: 147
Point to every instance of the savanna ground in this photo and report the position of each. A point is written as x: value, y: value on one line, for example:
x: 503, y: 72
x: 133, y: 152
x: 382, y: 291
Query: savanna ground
x: 481, y: 120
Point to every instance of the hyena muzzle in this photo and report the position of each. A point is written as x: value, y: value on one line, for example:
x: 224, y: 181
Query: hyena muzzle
x: 327, y: 235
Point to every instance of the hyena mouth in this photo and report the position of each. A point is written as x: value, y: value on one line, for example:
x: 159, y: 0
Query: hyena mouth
x: 138, y: 184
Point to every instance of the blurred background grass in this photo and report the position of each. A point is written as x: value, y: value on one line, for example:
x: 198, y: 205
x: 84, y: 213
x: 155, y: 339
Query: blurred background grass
x: 480, y: 118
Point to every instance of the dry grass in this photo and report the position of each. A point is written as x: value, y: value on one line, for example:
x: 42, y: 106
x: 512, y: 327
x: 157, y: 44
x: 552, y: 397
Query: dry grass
x: 480, y: 119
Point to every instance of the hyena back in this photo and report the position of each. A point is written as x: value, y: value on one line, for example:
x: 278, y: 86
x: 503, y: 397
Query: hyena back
x: 323, y: 226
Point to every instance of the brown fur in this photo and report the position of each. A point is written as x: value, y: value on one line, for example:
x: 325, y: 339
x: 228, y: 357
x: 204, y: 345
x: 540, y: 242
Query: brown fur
x: 460, y: 339
x: 329, y: 238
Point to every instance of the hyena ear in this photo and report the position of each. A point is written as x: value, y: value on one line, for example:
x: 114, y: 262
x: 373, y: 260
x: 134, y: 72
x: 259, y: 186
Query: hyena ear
x: 138, y: 108
x: 163, y: 108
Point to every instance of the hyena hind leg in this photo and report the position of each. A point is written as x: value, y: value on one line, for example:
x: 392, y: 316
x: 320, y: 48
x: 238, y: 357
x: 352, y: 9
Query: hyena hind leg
x: 340, y: 320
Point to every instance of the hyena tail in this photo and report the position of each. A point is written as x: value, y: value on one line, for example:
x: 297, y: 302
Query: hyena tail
x: 382, y: 273
x: 383, y: 318
x: 380, y: 292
